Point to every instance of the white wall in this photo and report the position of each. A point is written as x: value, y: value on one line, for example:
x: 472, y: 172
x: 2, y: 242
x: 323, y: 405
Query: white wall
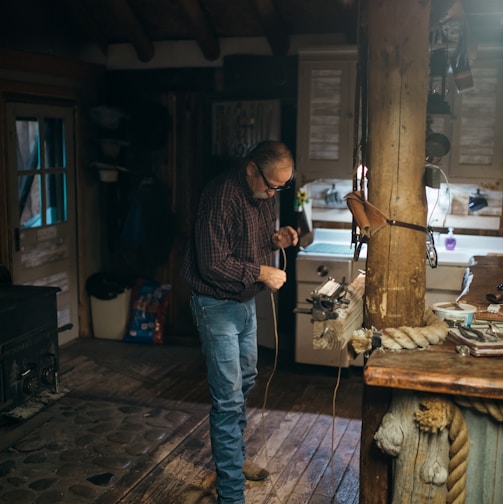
x: 187, y: 53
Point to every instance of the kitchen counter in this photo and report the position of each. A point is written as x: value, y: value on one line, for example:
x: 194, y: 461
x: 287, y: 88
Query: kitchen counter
x: 466, y: 245
x: 442, y: 283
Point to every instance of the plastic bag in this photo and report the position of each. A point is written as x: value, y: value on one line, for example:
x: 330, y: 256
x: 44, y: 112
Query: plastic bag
x: 149, y: 302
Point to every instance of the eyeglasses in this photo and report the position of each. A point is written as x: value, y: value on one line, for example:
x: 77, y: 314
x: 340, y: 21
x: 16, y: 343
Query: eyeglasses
x: 269, y: 186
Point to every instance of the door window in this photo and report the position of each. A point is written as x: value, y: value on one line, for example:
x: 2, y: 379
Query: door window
x: 41, y: 189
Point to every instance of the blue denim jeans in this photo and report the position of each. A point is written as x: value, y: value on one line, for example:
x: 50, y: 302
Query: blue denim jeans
x: 228, y: 333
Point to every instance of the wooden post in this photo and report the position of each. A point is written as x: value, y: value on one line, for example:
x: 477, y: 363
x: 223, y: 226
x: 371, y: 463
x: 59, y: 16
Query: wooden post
x: 375, y: 467
x: 398, y: 58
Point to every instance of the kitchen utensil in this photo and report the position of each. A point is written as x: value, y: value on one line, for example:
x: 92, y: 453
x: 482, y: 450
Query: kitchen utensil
x: 460, y: 65
x: 467, y: 280
x: 494, y: 330
x: 333, y: 198
x: 477, y: 202
x: 437, y: 145
x: 454, y: 306
x: 495, y: 298
x: 473, y: 334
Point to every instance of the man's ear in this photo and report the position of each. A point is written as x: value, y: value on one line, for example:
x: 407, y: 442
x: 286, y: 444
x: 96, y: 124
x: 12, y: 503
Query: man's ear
x: 250, y: 167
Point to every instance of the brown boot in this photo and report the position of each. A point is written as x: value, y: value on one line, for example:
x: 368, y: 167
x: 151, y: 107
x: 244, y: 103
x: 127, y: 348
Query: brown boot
x: 253, y: 472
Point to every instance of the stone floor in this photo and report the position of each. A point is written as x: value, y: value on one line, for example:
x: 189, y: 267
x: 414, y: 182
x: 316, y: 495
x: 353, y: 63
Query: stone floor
x: 86, y: 446
x: 129, y: 425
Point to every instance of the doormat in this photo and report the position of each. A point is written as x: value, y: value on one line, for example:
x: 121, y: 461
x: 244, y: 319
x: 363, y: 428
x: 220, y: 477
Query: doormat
x: 88, y: 448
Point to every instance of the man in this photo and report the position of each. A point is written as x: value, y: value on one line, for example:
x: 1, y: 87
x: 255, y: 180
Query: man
x: 227, y: 263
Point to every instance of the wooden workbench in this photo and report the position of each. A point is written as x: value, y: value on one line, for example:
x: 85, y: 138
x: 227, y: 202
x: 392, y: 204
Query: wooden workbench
x: 487, y: 274
x: 438, y: 369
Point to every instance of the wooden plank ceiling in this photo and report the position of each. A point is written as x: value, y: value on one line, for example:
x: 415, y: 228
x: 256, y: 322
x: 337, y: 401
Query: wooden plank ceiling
x: 144, y: 22
x: 48, y: 25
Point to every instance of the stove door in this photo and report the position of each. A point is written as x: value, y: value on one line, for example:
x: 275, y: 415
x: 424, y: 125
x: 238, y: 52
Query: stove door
x: 28, y: 342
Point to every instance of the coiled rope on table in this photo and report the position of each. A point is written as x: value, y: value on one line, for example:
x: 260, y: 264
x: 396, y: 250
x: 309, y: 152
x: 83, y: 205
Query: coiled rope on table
x: 432, y: 333
x: 436, y: 414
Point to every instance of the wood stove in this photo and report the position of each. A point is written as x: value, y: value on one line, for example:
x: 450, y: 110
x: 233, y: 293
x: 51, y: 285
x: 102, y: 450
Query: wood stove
x: 29, y: 360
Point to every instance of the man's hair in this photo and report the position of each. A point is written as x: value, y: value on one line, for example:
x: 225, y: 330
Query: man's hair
x: 269, y: 152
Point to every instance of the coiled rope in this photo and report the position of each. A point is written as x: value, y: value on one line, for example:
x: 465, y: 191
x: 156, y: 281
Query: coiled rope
x: 436, y: 414
x: 486, y: 406
x: 433, y: 332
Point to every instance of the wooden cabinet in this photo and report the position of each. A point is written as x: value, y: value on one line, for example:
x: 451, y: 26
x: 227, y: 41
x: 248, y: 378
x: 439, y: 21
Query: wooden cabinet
x: 325, y: 119
x: 475, y: 123
x: 477, y: 151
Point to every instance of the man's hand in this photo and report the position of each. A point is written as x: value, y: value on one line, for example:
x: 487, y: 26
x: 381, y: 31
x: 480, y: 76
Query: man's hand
x: 273, y: 278
x: 285, y: 237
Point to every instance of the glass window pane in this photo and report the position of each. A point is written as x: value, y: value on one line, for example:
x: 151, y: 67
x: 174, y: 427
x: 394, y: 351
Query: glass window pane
x: 55, y: 192
x: 30, y: 201
x: 55, y: 155
x: 28, y: 143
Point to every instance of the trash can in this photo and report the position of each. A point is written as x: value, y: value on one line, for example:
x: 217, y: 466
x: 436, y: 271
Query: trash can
x: 110, y: 295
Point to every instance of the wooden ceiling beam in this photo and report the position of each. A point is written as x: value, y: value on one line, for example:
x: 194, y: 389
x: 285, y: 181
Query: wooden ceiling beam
x: 137, y: 35
x: 273, y: 27
x: 201, y: 29
x: 46, y: 64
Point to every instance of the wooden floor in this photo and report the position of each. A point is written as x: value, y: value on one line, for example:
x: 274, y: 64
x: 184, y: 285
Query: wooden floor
x: 311, y: 452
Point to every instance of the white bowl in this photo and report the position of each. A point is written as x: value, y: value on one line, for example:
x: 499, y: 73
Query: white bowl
x: 455, y: 313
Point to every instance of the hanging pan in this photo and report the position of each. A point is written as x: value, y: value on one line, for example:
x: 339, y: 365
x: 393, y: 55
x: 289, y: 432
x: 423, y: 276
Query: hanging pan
x: 437, y: 145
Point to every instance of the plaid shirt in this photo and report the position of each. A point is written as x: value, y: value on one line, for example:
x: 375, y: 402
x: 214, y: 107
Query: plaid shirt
x: 232, y: 238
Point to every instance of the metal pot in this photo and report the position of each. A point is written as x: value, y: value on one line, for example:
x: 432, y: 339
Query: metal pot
x: 437, y: 145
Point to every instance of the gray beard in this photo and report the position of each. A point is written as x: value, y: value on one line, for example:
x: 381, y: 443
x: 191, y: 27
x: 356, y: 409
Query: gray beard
x: 261, y: 195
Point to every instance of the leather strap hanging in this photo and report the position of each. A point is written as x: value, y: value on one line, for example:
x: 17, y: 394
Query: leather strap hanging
x: 370, y: 219
x: 417, y: 227
x: 360, y: 112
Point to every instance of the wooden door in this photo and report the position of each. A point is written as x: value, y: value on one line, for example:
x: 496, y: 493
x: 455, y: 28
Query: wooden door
x: 41, y: 202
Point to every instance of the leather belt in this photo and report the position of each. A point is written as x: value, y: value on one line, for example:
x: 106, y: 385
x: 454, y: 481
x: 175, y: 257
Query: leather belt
x: 393, y: 222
